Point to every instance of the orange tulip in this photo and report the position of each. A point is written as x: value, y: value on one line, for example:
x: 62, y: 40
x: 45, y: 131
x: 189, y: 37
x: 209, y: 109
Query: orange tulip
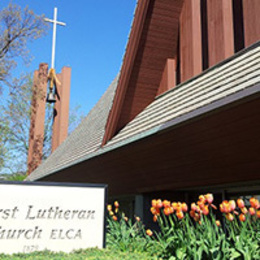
x: 242, y: 217
x: 137, y: 219
x: 201, y: 204
x: 184, y: 207
x: 114, y: 218
x: 155, y: 218
x: 159, y: 204
x: 116, y: 204
x: 254, y: 203
x: 153, y: 210
x: 126, y: 219
x: 197, y: 217
x: 166, y: 203
x: 218, y: 223
x: 192, y: 213
x: 232, y: 205
x: 180, y: 215
x: 202, y: 199
x: 167, y: 211
x: 240, y: 203
x: 251, y: 211
x: 209, y: 198
x: 229, y: 217
x: 225, y: 207
x: 149, y: 232
x: 258, y: 214
x: 205, y: 210
x: 174, y: 205
x: 193, y: 206
x: 154, y: 203
x: 179, y: 208
x: 244, y: 210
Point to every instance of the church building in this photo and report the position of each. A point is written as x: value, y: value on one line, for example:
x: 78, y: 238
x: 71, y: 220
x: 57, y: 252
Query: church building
x: 182, y: 117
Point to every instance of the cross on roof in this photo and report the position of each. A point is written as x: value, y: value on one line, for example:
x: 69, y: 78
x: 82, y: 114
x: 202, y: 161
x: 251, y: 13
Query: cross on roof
x: 55, y: 22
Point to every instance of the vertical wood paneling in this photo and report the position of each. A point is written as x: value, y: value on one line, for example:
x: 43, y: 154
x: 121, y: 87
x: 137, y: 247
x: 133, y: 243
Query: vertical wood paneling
x: 61, y: 119
x: 220, y: 30
x: 36, y: 135
x: 190, y: 40
x: 251, y: 9
x: 168, y: 80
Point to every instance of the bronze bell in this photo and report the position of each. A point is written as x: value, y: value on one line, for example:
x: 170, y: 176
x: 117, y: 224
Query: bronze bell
x: 51, y: 98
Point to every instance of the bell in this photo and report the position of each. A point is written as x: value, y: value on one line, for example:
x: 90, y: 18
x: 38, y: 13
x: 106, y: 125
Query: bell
x: 51, y: 98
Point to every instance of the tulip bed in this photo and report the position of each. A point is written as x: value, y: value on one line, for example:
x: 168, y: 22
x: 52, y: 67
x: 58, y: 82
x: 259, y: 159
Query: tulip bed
x: 190, y: 233
x: 183, y: 233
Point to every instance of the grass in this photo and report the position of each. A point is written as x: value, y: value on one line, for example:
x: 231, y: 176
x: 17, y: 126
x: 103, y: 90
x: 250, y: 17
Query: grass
x: 89, y: 254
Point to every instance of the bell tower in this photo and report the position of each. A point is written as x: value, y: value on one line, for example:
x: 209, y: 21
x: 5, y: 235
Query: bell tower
x: 59, y: 93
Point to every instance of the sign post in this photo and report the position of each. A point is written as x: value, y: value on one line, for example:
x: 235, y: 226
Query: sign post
x: 36, y: 216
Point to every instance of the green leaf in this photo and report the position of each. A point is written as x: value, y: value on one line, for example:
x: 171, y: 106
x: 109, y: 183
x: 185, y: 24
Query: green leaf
x: 181, y: 253
x: 235, y: 254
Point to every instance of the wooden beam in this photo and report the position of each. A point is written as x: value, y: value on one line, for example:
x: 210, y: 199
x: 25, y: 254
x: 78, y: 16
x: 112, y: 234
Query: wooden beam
x: 36, y: 135
x: 61, y: 110
x: 251, y: 9
x: 168, y: 80
x: 190, y: 40
x: 220, y: 30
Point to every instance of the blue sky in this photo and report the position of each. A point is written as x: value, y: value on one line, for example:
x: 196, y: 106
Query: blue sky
x: 92, y: 43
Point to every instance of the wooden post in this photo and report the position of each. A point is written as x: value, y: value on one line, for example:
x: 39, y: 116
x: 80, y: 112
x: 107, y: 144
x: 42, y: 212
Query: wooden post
x: 251, y: 10
x: 190, y: 40
x: 36, y: 135
x: 61, y: 109
x: 220, y: 30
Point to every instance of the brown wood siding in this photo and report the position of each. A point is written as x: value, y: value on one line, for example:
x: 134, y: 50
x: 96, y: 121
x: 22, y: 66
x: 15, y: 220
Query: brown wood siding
x: 190, y: 40
x: 61, y: 108
x: 219, y: 148
x: 164, y: 27
x: 126, y: 70
x: 167, y: 29
x: 220, y: 30
x: 36, y: 134
x: 142, y: 71
x: 251, y: 9
x: 168, y: 79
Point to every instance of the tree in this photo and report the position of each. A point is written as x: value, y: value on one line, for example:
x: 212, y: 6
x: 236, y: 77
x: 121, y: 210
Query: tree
x: 17, y: 27
x: 15, y: 115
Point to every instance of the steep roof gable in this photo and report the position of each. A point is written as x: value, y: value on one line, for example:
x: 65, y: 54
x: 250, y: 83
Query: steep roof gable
x: 153, y: 39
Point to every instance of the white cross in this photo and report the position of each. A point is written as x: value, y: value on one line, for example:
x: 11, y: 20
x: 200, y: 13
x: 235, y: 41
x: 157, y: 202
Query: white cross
x: 55, y: 22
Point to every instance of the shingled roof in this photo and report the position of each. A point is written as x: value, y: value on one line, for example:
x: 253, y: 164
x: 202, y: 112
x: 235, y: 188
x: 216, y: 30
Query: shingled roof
x: 238, y: 73
x: 228, y: 82
x: 85, y: 139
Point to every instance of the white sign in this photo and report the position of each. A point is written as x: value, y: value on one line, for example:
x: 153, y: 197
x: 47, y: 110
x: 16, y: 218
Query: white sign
x: 58, y: 217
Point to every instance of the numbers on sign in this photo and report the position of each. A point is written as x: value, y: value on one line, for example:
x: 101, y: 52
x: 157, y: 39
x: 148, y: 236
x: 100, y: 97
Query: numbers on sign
x: 30, y: 248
